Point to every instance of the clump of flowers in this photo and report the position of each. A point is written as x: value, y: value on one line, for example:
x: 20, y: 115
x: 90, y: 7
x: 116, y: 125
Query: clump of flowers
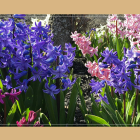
x: 30, y: 52
x: 84, y: 44
x: 31, y: 118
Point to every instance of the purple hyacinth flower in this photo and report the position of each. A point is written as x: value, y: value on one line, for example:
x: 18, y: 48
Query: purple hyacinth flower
x: 59, y: 72
x: 7, y: 82
x: 67, y: 83
x: 102, y: 98
x: 96, y: 86
x: 51, y: 90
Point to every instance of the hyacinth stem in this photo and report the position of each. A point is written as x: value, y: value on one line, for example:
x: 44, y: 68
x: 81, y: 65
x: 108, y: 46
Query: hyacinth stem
x: 124, y: 106
x: 116, y: 30
x: 58, y: 87
x: 136, y: 100
x: 29, y: 70
x: 38, y: 110
x: 4, y: 112
x: 112, y: 92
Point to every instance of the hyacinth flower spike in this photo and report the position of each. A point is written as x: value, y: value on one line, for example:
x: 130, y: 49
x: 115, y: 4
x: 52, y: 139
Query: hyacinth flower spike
x: 13, y: 95
x: 51, y: 90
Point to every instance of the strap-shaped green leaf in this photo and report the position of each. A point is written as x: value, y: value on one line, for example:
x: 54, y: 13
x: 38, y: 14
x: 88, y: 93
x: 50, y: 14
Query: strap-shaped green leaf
x: 118, y: 104
x: 111, y: 112
x: 1, y: 85
x: 138, y: 110
x: 118, y: 47
x: 35, y: 87
x: 29, y: 98
x: 81, y: 97
x: 11, y: 114
x: 72, y: 104
x: 95, y: 110
x: 62, y: 116
x: 134, y: 122
x: 83, y: 113
x: 97, y: 119
x: 50, y: 108
x: 129, y: 109
x: 40, y: 96
x: 21, y: 101
x: 44, y: 119
x: 120, y: 119
x: 110, y: 99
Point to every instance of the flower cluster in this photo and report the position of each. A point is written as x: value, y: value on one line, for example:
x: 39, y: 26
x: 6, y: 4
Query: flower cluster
x: 84, y: 44
x: 129, y: 28
x: 31, y: 118
x: 12, y: 95
x: 111, y: 24
x: 95, y: 70
x: 118, y: 73
x: 30, y: 52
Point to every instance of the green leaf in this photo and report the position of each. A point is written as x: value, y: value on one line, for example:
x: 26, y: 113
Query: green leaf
x: 36, y: 91
x: 134, y: 122
x: 111, y: 112
x: 106, y: 116
x: 83, y: 113
x: 11, y: 114
x: 88, y: 57
x: 138, y: 110
x: 28, y: 98
x: 21, y: 101
x: 40, y: 95
x: 95, y: 58
x: 132, y: 77
x: 118, y: 104
x: 120, y: 119
x: 44, y: 119
x: 62, y: 117
x: 97, y: 119
x: 118, y: 48
x: 50, y: 109
x: 72, y: 104
x: 103, y: 91
x: 81, y: 97
x: 71, y: 74
x: 18, y: 107
x: 129, y: 109
x: 27, y: 114
x: 110, y: 99
x: 95, y: 110
x: 1, y: 85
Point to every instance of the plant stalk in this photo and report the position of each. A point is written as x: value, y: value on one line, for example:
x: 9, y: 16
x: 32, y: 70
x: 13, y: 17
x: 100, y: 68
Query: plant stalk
x: 124, y: 107
x: 136, y: 100
x: 29, y: 70
x: 58, y: 87
x: 116, y: 30
x: 4, y: 112
x: 112, y: 92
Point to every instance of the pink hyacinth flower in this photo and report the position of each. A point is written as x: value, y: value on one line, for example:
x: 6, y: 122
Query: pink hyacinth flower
x: 37, y: 124
x: 21, y: 122
x: 13, y: 95
x: 32, y: 116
